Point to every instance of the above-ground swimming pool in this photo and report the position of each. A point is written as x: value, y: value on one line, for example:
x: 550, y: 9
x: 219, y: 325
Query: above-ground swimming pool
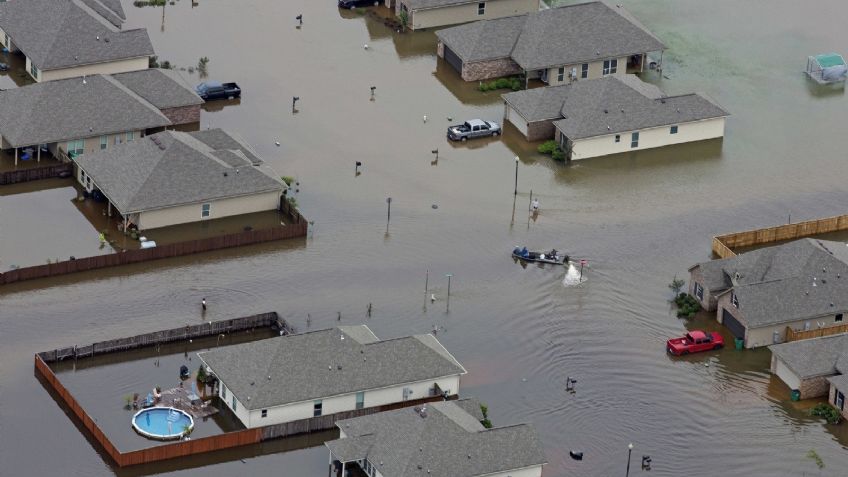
x: 162, y: 423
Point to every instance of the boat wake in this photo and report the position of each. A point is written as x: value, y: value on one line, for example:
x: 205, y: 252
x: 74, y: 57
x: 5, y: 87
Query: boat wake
x: 572, y: 276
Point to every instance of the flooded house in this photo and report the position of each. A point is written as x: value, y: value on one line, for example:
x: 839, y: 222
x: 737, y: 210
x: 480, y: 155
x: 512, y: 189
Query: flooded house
x: 557, y: 45
x: 67, y: 118
x: 814, y: 368
x: 758, y: 295
x: 611, y: 115
x: 69, y: 38
x: 436, y: 13
x: 444, y: 439
x: 330, y: 373
x: 174, y: 177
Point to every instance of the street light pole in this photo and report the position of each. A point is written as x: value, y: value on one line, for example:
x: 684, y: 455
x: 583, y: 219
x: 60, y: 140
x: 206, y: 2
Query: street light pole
x: 516, y: 176
x: 448, y: 301
x: 389, y: 214
x: 629, y: 451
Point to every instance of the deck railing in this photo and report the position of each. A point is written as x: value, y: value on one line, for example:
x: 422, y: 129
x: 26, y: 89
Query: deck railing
x: 723, y: 245
x: 793, y: 335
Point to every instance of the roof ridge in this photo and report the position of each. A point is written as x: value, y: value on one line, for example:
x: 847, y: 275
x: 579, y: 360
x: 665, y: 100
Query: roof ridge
x: 149, y: 172
x: 124, y: 88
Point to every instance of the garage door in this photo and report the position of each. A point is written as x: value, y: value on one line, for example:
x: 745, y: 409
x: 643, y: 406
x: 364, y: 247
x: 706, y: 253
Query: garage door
x: 516, y: 120
x: 453, y: 60
x: 787, y: 375
x: 732, y: 324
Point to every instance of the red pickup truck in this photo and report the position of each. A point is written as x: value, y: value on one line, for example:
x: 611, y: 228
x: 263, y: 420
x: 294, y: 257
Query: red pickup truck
x: 694, y: 342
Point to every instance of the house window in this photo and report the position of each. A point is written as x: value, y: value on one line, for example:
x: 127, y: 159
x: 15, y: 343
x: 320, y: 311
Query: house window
x: 117, y: 139
x: 618, y: 138
x: 733, y: 300
x: 264, y: 413
x: 103, y: 140
x: 610, y: 67
x: 561, y: 74
x: 130, y: 136
x: 360, y: 399
x: 584, y: 70
x: 205, y: 210
x: 76, y: 148
x: 838, y: 317
x: 235, y: 404
x: 223, y: 392
x: 634, y: 139
x: 699, y: 291
x: 481, y: 8
x: 33, y: 71
x: 317, y: 407
x: 673, y: 130
x: 839, y: 400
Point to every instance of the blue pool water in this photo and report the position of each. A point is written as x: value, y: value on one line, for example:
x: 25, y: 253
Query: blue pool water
x: 161, y: 422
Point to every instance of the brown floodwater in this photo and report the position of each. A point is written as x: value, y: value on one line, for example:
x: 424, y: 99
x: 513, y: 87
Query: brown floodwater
x: 638, y: 218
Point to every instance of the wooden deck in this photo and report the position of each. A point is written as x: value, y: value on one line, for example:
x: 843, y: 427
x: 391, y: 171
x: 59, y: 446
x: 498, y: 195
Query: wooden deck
x: 184, y: 399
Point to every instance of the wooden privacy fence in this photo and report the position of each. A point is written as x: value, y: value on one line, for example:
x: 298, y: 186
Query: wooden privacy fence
x: 792, y: 335
x: 205, y: 444
x: 34, y: 174
x: 297, y: 229
x: 214, y: 328
x: 723, y: 245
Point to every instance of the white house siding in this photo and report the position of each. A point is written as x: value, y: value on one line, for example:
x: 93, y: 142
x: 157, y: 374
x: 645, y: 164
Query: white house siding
x: 535, y: 471
x: 516, y: 119
x: 347, y: 402
x: 220, y: 208
x: 468, y: 13
x: 11, y: 46
x: 786, y: 374
x: 112, y: 67
x: 596, y: 70
x: 241, y: 412
x: 648, y: 138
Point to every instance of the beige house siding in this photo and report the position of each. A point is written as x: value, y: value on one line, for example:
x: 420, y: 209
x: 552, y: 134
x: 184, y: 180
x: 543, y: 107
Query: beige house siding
x: 709, y: 302
x: 535, y: 471
x: 596, y: 70
x: 648, y: 138
x: 220, y: 208
x: 8, y: 44
x: 112, y: 67
x: 451, y: 15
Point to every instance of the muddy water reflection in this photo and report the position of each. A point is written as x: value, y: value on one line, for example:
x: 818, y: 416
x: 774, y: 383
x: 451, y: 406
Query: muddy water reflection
x: 638, y: 219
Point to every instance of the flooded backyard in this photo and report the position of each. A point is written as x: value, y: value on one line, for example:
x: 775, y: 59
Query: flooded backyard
x: 637, y: 218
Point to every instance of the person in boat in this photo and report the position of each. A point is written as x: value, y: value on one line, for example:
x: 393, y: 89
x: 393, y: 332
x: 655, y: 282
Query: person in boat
x: 524, y: 252
x: 553, y: 254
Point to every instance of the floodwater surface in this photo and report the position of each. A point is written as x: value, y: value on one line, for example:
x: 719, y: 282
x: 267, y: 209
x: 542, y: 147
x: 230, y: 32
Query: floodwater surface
x: 639, y: 219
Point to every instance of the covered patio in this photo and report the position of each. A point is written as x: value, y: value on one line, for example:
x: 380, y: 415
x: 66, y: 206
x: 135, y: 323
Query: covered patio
x: 30, y: 157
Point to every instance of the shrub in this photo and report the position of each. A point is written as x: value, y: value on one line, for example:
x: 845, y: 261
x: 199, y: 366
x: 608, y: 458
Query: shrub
x: 558, y: 155
x: 547, y: 147
x: 287, y: 179
x: 676, y: 285
x: 293, y: 202
x: 485, y: 421
x: 825, y: 410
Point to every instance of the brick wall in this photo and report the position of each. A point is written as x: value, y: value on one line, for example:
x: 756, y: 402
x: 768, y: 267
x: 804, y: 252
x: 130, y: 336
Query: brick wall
x: 540, y: 130
x: 482, y: 70
x: 814, y: 387
x: 183, y: 114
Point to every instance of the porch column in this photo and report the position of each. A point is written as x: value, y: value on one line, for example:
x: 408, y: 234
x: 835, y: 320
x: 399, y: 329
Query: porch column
x: 343, y: 469
x: 39, y: 154
x: 109, y: 208
x: 126, y: 223
x: 662, y: 52
x: 16, y: 157
x: 526, y: 79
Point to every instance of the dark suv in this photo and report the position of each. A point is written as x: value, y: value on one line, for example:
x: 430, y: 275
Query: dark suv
x: 358, y: 3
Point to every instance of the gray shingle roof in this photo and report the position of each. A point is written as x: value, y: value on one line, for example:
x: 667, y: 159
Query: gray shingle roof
x: 57, y: 34
x: 62, y: 110
x: 814, y: 357
x: 442, y: 441
x: 325, y: 363
x: 107, y: 13
x: 140, y: 175
x: 566, y: 35
x: 775, y: 284
x: 840, y: 382
x: 624, y: 103
x: 161, y: 88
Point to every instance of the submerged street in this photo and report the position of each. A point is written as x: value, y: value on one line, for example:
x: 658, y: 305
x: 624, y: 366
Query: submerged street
x: 638, y: 219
